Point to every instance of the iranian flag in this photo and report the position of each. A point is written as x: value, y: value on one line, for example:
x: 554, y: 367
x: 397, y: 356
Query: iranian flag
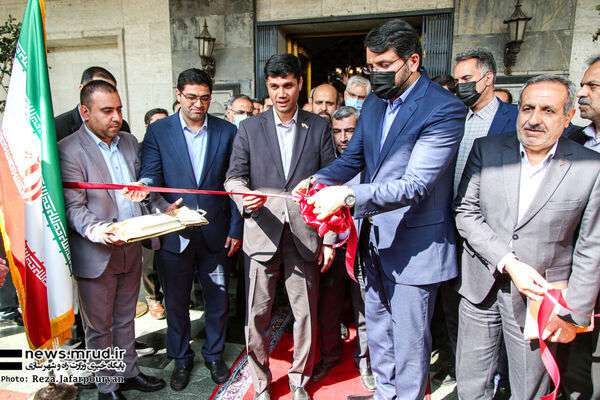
x: 32, y: 215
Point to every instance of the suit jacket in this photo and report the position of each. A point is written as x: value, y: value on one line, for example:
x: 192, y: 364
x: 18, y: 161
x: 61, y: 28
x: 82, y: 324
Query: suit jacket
x: 575, y: 133
x: 558, y: 235
x: 70, y: 121
x: 408, y: 185
x: 256, y: 165
x: 82, y: 161
x: 166, y: 162
x: 505, y: 119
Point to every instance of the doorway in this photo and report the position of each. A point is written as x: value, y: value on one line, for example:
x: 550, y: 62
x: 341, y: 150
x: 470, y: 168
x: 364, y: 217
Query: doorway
x: 332, y: 49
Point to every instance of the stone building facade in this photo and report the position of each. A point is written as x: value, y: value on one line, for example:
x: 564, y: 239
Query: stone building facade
x: 146, y: 43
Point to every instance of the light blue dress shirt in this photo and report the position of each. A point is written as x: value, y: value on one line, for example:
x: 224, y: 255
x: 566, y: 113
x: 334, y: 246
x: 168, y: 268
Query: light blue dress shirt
x: 196, y: 146
x: 119, y: 172
x: 392, y: 110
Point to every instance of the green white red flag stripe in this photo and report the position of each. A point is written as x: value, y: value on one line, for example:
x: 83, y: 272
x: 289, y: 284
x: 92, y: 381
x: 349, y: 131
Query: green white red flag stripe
x: 32, y: 215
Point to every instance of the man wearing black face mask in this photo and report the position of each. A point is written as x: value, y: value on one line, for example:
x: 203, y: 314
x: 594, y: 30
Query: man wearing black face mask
x: 405, y: 144
x: 475, y: 71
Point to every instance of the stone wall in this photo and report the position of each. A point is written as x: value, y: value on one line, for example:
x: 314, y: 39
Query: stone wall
x: 133, y: 42
x: 274, y: 10
x: 548, y: 39
x: 231, y: 22
x: 587, y: 21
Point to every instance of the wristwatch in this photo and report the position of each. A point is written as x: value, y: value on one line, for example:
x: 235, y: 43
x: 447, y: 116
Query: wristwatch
x: 350, y: 200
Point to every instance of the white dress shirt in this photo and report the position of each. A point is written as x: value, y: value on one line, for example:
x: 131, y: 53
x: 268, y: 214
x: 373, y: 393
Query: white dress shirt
x: 529, y: 184
x: 593, y: 141
x: 286, y: 134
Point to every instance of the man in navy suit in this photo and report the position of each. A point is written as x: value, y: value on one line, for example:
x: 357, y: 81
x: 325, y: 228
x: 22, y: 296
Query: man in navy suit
x: 191, y: 149
x: 405, y: 142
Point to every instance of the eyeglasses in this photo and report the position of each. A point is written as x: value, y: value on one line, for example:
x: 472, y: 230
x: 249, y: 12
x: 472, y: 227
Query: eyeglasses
x: 192, y: 98
x: 381, y: 66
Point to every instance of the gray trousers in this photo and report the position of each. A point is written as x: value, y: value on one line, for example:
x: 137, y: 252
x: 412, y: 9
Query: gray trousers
x: 107, y: 305
x: 301, y: 279
x: 480, y: 332
x: 332, y: 288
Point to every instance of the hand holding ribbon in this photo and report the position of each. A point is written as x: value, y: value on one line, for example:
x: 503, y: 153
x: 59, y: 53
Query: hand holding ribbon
x: 338, y: 221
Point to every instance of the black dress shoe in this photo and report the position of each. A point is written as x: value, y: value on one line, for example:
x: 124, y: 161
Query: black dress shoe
x: 116, y: 395
x: 299, y: 393
x: 180, y: 378
x: 218, y: 371
x: 143, y: 383
x: 322, y: 369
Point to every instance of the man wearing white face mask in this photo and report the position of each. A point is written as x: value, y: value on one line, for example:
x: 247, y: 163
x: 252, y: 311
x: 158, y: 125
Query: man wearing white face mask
x: 240, y: 107
x: 357, y: 90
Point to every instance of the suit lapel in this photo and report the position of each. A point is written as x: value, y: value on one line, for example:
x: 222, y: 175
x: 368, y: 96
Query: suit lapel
x: 270, y: 133
x: 302, y: 128
x: 94, y: 154
x: 511, y: 172
x: 212, y: 147
x: 179, y: 147
x: 559, y: 165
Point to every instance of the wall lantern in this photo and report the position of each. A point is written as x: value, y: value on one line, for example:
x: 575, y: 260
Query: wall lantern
x: 206, y: 45
x: 517, y: 23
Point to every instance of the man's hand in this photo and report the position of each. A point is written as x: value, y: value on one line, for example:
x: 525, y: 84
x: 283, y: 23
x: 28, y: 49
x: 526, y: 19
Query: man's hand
x: 302, y: 188
x: 253, y: 200
x: 173, y: 207
x: 559, y: 330
x: 112, y: 239
x: 134, y: 195
x: 328, y: 200
x: 326, y: 257
x: 233, y: 245
x: 529, y: 282
x: 3, y: 271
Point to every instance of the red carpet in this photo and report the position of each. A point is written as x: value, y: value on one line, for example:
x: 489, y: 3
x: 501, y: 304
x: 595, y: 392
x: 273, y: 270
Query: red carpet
x: 342, y: 380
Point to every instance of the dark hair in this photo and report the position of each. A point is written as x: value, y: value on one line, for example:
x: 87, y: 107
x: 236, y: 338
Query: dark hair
x: 92, y: 73
x: 194, y: 76
x: 397, y: 35
x: 593, y: 60
x: 97, y: 85
x: 343, y: 112
x: 153, y: 112
x: 507, y: 92
x: 485, y: 59
x: 280, y: 65
x: 259, y: 101
x: 230, y: 102
x: 446, y: 80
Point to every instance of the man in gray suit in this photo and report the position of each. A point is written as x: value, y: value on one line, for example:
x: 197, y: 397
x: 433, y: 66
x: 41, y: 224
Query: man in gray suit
x: 272, y: 153
x: 107, y: 270
x: 528, y: 207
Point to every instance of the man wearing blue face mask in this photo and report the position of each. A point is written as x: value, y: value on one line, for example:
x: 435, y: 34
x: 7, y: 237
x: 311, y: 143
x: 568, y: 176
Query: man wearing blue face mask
x: 240, y: 107
x: 405, y: 144
x: 357, y: 90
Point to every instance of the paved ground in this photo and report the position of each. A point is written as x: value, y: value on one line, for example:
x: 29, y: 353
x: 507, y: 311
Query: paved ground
x: 153, y: 333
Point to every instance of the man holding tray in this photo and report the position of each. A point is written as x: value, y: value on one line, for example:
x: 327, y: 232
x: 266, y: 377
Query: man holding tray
x: 107, y: 270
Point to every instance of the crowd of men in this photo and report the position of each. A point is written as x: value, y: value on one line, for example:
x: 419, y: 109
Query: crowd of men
x: 464, y: 203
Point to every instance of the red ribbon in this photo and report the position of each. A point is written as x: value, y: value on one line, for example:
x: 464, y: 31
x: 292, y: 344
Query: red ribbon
x: 157, y: 189
x: 552, y: 297
x: 339, y: 222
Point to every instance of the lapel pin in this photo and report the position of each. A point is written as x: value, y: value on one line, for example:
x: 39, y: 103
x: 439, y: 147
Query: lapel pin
x: 304, y: 125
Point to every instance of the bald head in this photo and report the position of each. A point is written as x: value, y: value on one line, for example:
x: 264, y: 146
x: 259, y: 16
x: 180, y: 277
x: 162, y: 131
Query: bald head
x: 325, y: 100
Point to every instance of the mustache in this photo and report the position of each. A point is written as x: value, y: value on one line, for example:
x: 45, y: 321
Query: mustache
x: 536, y: 127
x: 584, y: 101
